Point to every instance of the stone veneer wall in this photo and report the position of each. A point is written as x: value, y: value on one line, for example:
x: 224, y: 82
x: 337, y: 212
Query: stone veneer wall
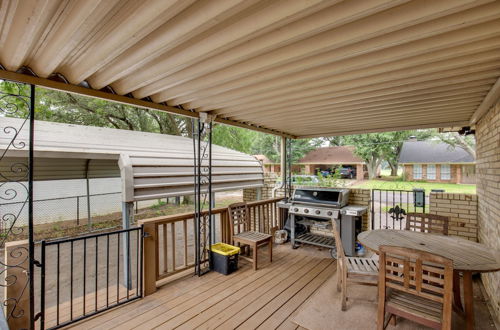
x: 462, y: 210
x: 356, y: 197
x: 488, y: 190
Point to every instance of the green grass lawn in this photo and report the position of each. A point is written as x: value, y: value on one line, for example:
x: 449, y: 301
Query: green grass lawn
x: 409, y: 185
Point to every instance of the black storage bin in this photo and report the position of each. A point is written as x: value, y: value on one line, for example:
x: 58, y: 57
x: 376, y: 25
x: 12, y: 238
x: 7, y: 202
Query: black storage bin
x: 224, y: 258
x: 224, y: 264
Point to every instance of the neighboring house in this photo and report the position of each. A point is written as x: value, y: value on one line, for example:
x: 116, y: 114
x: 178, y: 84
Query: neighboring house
x: 320, y: 159
x: 330, y: 157
x: 436, y: 162
x: 267, y: 164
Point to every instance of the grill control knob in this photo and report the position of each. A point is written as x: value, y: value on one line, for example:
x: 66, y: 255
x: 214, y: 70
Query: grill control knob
x: 318, y: 212
x: 295, y: 210
x: 306, y: 211
x: 329, y: 213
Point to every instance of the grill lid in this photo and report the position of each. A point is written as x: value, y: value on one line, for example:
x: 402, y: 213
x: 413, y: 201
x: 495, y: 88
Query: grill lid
x: 325, y: 196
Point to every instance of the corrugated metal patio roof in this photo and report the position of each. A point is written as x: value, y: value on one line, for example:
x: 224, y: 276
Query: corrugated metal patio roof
x: 300, y: 68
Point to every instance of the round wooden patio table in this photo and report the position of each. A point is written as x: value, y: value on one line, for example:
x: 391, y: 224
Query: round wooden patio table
x: 467, y: 256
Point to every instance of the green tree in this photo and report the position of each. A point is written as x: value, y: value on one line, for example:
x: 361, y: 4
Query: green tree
x: 454, y: 139
x: 235, y: 138
x: 270, y: 146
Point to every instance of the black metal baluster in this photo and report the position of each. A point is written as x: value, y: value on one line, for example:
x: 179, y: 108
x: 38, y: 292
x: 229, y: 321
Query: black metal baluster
x: 58, y: 281
x: 393, y: 205
x: 401, y: 201
x: 118, y: 271
x: 84, y: 271
x: 96, y: 267
x: 71, y: 283
x: 42, y: 288
x: 380, y: 208
x: 373, y: 209
x: 107, y: 271
x: 141, y: 254
x: 129, y: 280
x: 386, y: 213
x: 138, y: 265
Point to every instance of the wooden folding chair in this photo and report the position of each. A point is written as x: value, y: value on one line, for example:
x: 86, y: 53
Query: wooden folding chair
x: 427, y: 223
x: 415, y: 285
x: 241, y: 233
x: 352, y: 269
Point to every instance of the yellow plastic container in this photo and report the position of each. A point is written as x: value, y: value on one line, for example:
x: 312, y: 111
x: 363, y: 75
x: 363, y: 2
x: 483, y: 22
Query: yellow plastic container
x: 225, y: 249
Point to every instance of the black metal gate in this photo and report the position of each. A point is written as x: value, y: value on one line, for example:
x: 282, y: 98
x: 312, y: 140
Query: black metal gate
x: 389, y: 207
x: 86, y: 275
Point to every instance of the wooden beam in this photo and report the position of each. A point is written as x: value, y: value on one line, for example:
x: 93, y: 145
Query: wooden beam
x: 490, y: 99
x: 55, y: 85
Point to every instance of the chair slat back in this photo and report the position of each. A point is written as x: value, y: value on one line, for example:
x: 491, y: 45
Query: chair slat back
x: 338, y: 242
x: 427, y: 223
x: 416, y: 272
x: 238, y: 218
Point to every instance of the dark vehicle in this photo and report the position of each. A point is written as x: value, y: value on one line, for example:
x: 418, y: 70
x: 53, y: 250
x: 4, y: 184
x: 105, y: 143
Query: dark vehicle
x: 348, y: 172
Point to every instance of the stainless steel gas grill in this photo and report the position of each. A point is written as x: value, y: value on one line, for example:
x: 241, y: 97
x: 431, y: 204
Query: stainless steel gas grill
x: 315, y: 209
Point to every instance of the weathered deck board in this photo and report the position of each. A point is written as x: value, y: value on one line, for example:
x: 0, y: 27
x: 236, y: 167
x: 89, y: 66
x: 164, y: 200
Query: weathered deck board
x: 246, y: 299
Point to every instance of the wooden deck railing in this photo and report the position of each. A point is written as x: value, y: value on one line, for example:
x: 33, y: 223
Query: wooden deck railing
x: 169, y: 242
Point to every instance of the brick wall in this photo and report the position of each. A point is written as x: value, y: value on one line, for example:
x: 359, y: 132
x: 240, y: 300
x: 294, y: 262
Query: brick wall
x: 462, y: 210
x: 356, y: 196
x: 488, y: 190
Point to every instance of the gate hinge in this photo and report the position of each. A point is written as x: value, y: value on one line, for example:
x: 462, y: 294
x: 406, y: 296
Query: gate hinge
x: 37, y: 263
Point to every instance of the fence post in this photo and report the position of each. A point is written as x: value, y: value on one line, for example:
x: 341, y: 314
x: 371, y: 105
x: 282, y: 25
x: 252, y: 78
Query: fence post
x: 149, y: 253
x: 77, y: 210
x: 17, y: 285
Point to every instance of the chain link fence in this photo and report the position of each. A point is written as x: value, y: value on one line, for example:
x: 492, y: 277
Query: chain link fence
x: 72, y: 208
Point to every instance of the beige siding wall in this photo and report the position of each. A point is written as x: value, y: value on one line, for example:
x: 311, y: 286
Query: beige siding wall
x: 488, y: 190
x: 462, y: 210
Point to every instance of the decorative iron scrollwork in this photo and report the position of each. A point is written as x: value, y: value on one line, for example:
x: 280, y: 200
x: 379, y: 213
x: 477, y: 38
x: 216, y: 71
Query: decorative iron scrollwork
x: 202, y: 144
x: 15, y: 101
x: 288, y: 170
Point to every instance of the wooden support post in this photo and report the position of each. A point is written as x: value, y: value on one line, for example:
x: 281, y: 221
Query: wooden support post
x: 17, y: 285
x: 150, y: 258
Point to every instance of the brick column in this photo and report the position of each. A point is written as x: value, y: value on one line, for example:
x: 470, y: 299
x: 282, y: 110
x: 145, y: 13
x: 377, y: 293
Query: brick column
x: 462, y: 210
x: 360, y: 174
x: 458, y: 177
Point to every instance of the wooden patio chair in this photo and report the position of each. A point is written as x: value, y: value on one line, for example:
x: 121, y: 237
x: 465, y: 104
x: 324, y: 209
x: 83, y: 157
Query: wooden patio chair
x: 415, y: 285
x: 352, y: 269
x: 241, y: 233
x: 427, y: 223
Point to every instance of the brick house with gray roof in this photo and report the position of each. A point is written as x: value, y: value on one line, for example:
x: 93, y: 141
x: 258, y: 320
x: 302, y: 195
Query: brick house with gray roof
x: 436, y: 162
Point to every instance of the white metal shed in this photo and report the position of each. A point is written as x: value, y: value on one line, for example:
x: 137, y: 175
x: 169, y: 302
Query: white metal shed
x: 150, y: 165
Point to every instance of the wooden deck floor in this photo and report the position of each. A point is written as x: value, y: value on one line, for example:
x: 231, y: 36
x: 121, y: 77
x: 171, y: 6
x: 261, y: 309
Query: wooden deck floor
x: 247, y: 299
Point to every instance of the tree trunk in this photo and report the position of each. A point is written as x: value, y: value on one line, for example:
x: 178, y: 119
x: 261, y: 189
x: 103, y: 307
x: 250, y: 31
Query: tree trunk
x: 394, y: 169
x: 372, y: 166
x: 372, y: 169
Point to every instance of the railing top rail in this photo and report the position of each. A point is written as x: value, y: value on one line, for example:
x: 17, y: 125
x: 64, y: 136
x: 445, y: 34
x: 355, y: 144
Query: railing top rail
x: 190, y: 215
x: 402, y: 190
x: 73, y: 239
